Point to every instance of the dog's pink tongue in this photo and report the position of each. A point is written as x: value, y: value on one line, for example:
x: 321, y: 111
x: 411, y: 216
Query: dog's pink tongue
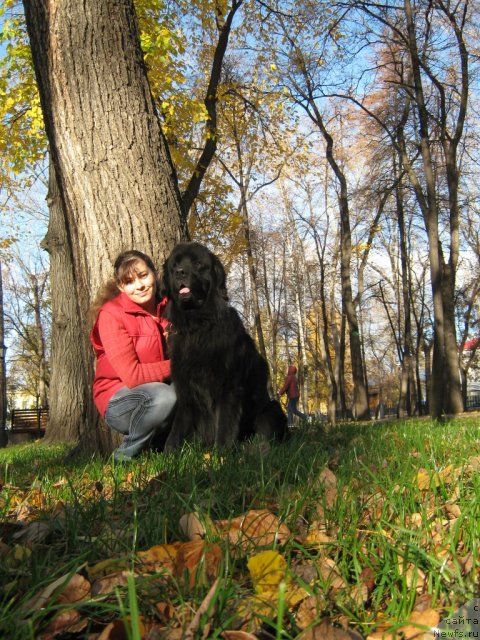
x: 184, y: 291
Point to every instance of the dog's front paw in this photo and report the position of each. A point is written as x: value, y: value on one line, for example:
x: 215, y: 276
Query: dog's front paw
x: 172, y: 443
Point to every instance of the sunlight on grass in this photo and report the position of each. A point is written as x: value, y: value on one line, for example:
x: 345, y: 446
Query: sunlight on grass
x: 374, y: 526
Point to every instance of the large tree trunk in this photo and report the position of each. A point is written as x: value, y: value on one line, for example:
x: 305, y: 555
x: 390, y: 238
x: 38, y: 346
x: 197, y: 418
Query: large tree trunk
x: 117, y: 185
x: 361, y: 409
x: 71, y: 412
x: 3, y: 372
x: 407, y: 363
x: 252, y: 271
x: 41, y: 345
x: 445, y: 392
x: 360, y: 400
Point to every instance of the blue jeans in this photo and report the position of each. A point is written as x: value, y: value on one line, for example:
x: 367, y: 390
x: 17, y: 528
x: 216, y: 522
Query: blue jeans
x: 292, y: 410
x: 139, y: 413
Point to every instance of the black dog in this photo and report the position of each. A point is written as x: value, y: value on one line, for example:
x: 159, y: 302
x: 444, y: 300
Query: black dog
x: 219, y: 376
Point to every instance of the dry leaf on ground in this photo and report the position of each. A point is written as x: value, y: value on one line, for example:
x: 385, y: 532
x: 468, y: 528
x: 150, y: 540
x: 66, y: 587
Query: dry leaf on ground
x: 106, y: 567
x: 198, y: 561
x: 267, y: 570
x: 108, y: 583
x: 166, y: 611
x: 418, y: 627
x: 330, y: 573
x: 66, y: 622
x: 326, y: 631
x: 207, y: 606
x: 36, y: 531
x: 446, y: 476
x: 71, y: 588
x: 310, y: 610
x: 195, y: 527
x: 157, y: 558
x: 256, y: 528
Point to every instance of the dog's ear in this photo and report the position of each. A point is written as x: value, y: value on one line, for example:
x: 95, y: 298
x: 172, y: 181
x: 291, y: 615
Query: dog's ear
x: 165, y: 285
x: 220, y: 277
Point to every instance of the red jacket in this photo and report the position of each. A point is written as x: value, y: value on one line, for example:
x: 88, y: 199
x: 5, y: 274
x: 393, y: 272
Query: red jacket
x: 130, y: 348
x: 290, y: 386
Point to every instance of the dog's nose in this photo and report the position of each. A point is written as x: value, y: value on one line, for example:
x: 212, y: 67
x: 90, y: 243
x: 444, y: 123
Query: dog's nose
x: 179, y: 271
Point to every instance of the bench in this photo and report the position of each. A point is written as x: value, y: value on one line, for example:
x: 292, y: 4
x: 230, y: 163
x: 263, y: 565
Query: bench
x: 31, y: 421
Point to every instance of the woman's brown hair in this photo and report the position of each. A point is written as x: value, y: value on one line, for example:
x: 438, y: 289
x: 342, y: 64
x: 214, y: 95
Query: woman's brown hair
x: 123, y: 268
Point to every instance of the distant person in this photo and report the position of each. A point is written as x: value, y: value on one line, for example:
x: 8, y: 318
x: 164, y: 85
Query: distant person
x: 132, y: 389
x: 290, y: 387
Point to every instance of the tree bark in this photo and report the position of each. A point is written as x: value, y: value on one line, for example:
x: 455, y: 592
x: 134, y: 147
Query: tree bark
x: 224, y: 27
x: 117, y: 186
x: 41, y: 345
x: 407, y: 373
x: 445, y: 392
x: 3, y: 372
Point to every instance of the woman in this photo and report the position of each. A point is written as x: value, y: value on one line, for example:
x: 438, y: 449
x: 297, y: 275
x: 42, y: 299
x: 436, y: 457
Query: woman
x: 290, y: 387
x: 131, y: 387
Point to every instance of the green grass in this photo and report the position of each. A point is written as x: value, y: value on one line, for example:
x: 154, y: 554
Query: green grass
x: 381, y: 524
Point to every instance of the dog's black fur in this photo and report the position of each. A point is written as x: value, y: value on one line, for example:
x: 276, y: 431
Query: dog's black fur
x: 219, y: 376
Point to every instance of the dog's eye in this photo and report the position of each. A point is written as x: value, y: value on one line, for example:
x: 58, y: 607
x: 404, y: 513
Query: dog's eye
x: 200, y: 266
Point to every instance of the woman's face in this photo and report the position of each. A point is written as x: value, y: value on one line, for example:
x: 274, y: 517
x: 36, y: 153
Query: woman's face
x: 139, y: 285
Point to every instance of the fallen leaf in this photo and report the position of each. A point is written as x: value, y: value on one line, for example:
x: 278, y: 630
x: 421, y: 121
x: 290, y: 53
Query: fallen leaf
x: 207, y: 607
x: 109, y: 582
x: 327, y: 478
x: 72, y: 587
x: 237, y: 635
x: 106, y: 567
x: 416, y: 520
x: 36, y: 531
x: 445, y: 476
x: 310, y: 610
x: 195, y: 528
x: 359, y: 594
x: 473, y: 463
x: 453, y: 511
x: 198, y: 562
x: 166, y: 611
x: 114, y: 631
x: 326, y: 631
x: 256, y: 528
x: 77, y: 588
x: 418, y: 627
x: 267, y: 570
x: 68, y: 621
x: 329, y: 572
x: 315, y: 536
x: 414, y: 577
x: 21, y: 553
x: 428, y: 617
x: 158, y: 557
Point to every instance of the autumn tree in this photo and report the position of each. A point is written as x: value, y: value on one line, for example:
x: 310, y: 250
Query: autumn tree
x: 431, y: 78
x: 299, y: 67
x: 116, y: 183
x: 27, y: 320
x: 161, y: 43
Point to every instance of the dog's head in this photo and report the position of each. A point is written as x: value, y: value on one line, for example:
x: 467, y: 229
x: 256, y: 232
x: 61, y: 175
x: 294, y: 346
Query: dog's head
x: 192, y: 276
